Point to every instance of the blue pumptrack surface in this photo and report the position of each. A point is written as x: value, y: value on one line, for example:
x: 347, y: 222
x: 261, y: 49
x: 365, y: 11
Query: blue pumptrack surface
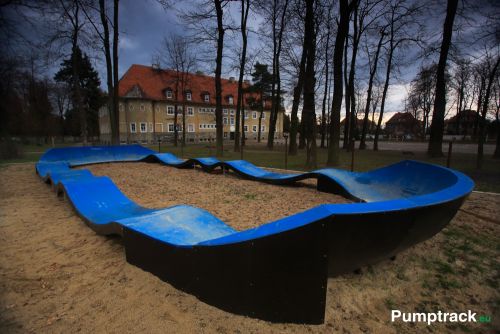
x: 395, y: 207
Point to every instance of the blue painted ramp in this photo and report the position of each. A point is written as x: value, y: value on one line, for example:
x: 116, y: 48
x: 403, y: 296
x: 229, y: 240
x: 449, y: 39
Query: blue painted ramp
x: 277, y: 271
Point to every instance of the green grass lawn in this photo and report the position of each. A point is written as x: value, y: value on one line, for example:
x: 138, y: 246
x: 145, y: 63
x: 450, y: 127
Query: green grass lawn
x: 487, y: 179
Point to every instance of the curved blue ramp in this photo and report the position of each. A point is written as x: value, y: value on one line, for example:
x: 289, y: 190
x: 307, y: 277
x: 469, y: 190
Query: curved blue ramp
x: 277, y: 271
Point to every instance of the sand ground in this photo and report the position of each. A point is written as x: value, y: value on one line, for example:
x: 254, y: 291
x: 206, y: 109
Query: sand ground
x: 58, y: 276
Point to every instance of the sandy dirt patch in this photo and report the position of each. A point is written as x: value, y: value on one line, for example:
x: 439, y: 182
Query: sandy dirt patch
x: 58, y: 276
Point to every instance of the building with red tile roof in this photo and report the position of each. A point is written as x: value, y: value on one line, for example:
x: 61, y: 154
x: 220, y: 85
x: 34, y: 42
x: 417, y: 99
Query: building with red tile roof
x: 148, y: 106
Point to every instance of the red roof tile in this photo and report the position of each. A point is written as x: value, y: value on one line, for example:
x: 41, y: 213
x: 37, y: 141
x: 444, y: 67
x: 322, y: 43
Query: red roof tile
x: 153, y: 83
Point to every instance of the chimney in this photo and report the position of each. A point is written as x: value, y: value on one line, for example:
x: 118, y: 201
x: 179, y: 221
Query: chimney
x: 231, y: 79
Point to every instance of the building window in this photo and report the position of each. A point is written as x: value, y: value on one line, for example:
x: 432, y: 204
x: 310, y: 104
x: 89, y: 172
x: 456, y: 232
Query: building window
x: 245, y: 128
x: 131, y: 107
x: 232, y: 121
x: 246, y: 114
x: 230, y: 100
x: 121, y: 107
x: 263, y: 128
x: 168, y: 93
x: 225, y: 134
x: 179, y: 128
x: 224, y: 120
x: 190, y: 111
x: 188, y: 96
x: 143, y: 127
x: 170, y: 127
x: 254, y: 128
x: 170, y: 110
x: 132, y: 127
x: 142, y: 107
x: 263, y: 115
x: 231, y: 111
x: 150, y: 127
x: 206, y: 98
x: 224, y: 111
x: 254, y: 114
x: 190, y: 127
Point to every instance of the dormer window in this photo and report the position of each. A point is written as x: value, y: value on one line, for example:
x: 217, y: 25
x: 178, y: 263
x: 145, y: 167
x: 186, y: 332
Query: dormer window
x: 230, y: 100
x: 206, y: 98
x: 188, y: 96
x: 168, y: 93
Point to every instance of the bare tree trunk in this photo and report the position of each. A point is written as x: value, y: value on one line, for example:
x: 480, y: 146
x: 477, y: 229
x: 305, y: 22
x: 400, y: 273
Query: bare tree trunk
x: 325, y: 92
x: 352, y: 74
x: 347, y: 98
x: 308, y: 112
x: 480, y: 149
x: 277, y: 80
x: 373, y: 72
x: 245, y: 6
x: 218, y: 85
x: 297, y: 91
x: 116, y: 83
x: 342, y: 32
x: 384, y: 94
x: 115, y: 135
x: 437, y: 126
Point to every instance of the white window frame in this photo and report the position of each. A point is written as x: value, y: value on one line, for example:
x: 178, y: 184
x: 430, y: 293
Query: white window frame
x: 224, y: 111
x: 190, y: 111
x: 264, y: 115
x: 231, y: 120
x: 145, y: 127
x: 188, y: 96
x: 254, y: 128
x: 262, y: 128
x: 191, y: 127
x: 225, y: 134
x: 224, y: 121
x: 231, y: 111
x: 169, y: 94
x: 170, y: 108
x: 133, y: 127
x: 246, y: 114
x: 206, y: 98
x: 254, y: 115
x: 170, y: 125
x: 231, y: 100
x: 245, y: 128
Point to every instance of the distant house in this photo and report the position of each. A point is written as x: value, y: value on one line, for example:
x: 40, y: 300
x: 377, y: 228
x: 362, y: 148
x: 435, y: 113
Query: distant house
x: 403, y: 124
x: 359, y: 127
x: 462, y: 123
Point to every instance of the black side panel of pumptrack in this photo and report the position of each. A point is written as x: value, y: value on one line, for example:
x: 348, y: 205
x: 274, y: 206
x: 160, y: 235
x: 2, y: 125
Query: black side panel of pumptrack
x: 278, y: 278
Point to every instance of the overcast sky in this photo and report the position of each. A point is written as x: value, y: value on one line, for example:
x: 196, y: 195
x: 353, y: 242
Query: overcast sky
x: 143, y: 25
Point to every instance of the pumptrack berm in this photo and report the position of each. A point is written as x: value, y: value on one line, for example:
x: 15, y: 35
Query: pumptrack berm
x: 277, y: 271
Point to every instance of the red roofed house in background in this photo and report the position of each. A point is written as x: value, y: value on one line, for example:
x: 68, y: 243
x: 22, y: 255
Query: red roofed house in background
x: 147, y: 104
x: 403, y: 124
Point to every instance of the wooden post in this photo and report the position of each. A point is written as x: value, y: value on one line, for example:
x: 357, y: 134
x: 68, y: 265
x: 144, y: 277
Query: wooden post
x: 352, y: 155
x: 450, y: 148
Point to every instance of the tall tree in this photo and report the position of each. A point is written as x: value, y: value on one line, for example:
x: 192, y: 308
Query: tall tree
x: 218, y: 83
x: 309, y: 110
x: 338, y: 52
x: 491, y: 64
x: 262, y: 85
x: 373, y: 72
x: 245, y: 7
x: 437, y: 126
x: 88, y: 86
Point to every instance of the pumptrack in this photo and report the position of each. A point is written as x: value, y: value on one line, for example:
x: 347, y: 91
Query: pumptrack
x: 277, y: 271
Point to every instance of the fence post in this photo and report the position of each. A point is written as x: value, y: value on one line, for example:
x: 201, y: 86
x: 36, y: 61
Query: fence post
x: 450, y: 149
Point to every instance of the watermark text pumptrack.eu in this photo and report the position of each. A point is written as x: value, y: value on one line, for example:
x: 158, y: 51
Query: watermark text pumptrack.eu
x: 439, y: 316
